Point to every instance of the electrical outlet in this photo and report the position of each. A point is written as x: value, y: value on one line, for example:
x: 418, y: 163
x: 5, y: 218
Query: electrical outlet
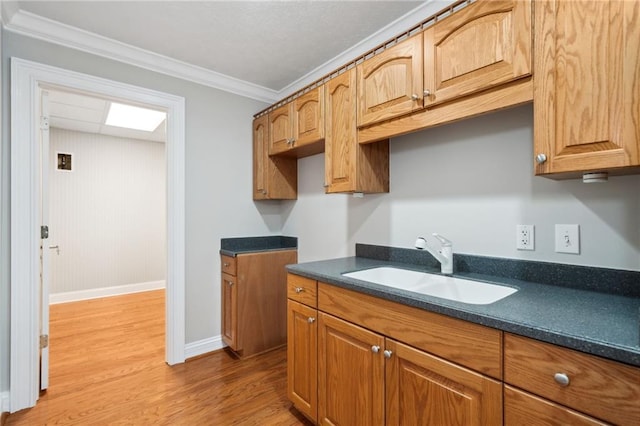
x: 525, y: 237
x: 568, y: 239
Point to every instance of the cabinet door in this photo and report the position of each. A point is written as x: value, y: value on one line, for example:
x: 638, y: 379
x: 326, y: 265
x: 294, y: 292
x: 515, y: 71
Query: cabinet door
x: 274, y: 178
x: 586, y: 94
x: 280, y: 129
x: 349, y: 166
x: 230, y: 311
x: 481, y: 46
x: 390, y: 84
x: 521, y: 408
x: 351, y: 374
x: 426, y: 390
x: 302, y: 358
x: 308, y: 117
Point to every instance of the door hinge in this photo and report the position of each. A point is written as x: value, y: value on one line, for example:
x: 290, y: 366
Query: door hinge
x: 44, y: 341
x: 44, y: 122
x: 44, y: 232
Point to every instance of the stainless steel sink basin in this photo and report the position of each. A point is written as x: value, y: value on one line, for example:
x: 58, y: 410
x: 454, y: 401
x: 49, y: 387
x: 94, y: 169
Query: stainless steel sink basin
x: 451, y: 288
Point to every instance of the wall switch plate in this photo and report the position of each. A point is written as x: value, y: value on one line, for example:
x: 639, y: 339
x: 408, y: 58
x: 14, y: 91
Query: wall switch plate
x: 525, y: 237
x: 568, y: 239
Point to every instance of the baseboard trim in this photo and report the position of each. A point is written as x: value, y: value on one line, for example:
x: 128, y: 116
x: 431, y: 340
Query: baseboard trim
x: 95, y: 293
x: 203, y: 346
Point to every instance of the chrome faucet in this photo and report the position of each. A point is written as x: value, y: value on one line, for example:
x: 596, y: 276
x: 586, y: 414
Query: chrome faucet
x: 444, y: 254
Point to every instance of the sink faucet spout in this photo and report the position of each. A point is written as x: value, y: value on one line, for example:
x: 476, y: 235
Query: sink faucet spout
x: 443, y: 254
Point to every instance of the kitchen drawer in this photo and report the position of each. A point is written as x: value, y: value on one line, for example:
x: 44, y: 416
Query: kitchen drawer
x: 471, y: 345
x: 303, y: 290
x: 599, y: 387
x: 229, y: 264
x: 521, y: 408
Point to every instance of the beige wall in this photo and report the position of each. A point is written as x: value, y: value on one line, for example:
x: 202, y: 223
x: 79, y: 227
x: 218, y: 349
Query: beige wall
x: 108, y: 214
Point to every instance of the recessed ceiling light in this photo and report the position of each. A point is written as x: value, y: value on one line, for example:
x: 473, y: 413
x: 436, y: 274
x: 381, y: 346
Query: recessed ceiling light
x: 132, y: 117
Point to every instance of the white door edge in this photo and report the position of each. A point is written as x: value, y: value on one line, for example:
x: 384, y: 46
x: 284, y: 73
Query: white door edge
x: 26, y: 77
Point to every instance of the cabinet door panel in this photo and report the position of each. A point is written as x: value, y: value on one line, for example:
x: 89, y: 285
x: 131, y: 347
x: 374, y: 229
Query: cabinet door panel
x: 260, y: 157
x: 280, y: 129
x: 426, y: 390
x: 351, y: 375
x: 274, y: 178
x: 388, y: 82
x: 586, y: 97
x: 230, y: 311
x: 308, y: 117
x: 479, y: 47
x: 302, y: 358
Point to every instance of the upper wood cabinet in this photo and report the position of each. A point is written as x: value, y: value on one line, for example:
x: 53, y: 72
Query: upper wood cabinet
x: 297, y: 128
x: 481, y: 46
x: 349, y: 166
x: 273, y: 177
x: 587, y: 87
x: 390, y: 84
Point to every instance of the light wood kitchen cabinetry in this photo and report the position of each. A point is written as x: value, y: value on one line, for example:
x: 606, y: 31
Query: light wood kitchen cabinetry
x: 367, y: 374
x: 274, y: 178
x: 477, y: 60
x: 479, y: 47
x: 349, y: 166
x: 601, y: 388
x: 390, y: 84
x: 587, y: 96
x: 254, y: 301
x: 297, y: 128
x: 302, y: 345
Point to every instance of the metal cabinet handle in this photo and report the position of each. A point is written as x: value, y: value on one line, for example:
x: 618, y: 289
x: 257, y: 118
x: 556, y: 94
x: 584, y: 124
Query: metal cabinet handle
x: 311, y: 320
x: 415, y: 97
x: 226, y: 264
x: 387, y: 353
x: 299, y: 289
x: 230, y: 283
x: 375, y: 349
x: 427, y: 92
x: 562, y: 379
x: 541, y: 158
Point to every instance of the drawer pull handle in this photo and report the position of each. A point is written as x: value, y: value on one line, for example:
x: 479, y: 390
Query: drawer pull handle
x: 311, y: 320
x: 299, y: 289
x: 375, y: 349
x: 387, y: 353
x: 562, y: 379
x: 226, y: 264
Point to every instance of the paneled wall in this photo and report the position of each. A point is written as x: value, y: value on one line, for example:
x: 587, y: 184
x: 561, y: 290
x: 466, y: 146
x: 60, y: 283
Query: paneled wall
x: 108, y: 214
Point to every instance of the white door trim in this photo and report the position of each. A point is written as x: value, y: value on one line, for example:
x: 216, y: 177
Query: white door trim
x: 26, y: 76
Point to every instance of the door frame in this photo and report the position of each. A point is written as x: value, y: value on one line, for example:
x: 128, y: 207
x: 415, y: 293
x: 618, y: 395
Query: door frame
x: 26, y: 78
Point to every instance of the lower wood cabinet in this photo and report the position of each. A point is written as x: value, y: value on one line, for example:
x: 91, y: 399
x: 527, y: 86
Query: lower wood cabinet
x: 363, y: 377
x: 254, y: 301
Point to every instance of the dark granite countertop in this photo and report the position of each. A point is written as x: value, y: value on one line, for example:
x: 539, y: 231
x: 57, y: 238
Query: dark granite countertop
x: 590, y: 321
x: 235, y: 246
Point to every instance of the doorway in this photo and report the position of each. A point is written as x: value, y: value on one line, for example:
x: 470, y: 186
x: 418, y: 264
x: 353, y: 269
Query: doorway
x: 26, y: 79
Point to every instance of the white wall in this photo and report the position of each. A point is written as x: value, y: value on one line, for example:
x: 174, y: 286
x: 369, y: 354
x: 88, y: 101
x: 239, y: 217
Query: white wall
x: 472, y: 182
x: 218, y: 177
x: 108, y: 215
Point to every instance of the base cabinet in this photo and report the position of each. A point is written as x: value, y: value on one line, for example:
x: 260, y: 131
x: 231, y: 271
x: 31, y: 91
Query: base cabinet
x: 254, y: 301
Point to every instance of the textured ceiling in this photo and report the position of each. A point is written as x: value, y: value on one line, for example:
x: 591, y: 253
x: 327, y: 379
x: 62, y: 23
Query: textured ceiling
x: 268, y: 43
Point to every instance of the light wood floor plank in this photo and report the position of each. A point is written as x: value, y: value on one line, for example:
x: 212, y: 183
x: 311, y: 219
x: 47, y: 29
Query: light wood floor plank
x: 107, y: 368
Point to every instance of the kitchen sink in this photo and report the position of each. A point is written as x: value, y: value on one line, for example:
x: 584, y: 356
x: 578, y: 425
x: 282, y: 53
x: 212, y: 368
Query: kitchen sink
x: 445, y: 287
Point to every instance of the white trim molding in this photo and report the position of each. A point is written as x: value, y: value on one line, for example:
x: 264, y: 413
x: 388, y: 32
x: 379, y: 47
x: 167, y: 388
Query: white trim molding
x: 203, y: 346
x: 36, y: 26
x: 32, y: 25
x: 96, y: 293
x: 26, y: 78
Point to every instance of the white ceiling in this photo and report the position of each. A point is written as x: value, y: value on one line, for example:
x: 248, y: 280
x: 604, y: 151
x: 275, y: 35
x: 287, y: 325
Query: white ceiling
x: 267, y: 43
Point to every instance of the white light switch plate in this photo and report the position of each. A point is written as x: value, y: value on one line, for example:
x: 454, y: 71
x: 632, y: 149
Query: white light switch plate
x: 568, y: 239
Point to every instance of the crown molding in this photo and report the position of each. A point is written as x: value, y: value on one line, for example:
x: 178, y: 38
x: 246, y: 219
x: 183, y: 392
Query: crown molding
x: 400, y: 25
x: 31, y: 25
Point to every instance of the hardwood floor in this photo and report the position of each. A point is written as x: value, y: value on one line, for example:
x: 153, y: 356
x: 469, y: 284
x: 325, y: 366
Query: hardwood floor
x: 107, y: 367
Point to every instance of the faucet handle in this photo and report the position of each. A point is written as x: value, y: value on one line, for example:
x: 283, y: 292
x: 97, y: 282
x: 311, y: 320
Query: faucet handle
x: 443, y: 240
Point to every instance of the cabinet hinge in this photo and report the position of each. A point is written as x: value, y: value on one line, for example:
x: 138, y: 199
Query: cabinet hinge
x: 44, y: 341
x: 44, y: 232
x: 44, y: 122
